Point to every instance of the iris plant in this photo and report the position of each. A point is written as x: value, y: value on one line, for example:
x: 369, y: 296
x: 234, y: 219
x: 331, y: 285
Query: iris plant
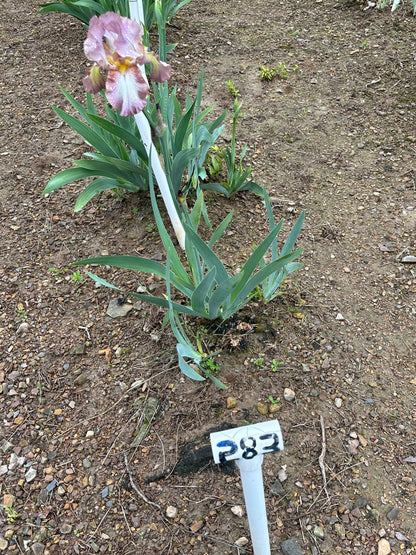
x: 114, y: 43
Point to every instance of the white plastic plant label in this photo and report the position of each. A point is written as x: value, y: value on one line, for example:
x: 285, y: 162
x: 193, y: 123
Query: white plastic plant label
x: 246, y: 442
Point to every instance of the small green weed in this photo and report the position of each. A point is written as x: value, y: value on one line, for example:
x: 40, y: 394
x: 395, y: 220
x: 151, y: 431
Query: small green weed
x: 58, y: 271
x: 259, y: 362
x: 22, y: 313
x: 273, y: 401
x: 282, y: 71
x: 276, y: 364
x: 211, y: 365
x: 77, y: 277
x: 12, y: 514
x: 364, y: 45
x: 267, y: 73
x: 234, y: 92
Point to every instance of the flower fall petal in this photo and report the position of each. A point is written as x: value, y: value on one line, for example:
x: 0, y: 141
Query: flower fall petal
x: 127, y: 90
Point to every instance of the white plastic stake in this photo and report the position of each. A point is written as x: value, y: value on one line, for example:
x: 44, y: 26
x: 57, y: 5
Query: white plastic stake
x: 247, y: 445
x: 136, y: 13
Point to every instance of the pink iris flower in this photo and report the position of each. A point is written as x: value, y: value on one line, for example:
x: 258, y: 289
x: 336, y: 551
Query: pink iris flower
x: 115, y: 43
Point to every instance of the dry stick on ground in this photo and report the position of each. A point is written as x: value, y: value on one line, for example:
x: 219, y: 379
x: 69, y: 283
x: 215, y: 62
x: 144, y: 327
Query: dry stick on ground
x: 136, y: 489
x: 322, y: 457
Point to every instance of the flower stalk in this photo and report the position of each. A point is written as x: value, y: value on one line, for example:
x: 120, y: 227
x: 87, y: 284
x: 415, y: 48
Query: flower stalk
x: 136, y: 13
x: 114, y: 43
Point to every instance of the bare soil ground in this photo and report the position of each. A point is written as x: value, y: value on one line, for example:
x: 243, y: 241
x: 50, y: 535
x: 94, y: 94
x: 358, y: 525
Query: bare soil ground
x: 337, y: 138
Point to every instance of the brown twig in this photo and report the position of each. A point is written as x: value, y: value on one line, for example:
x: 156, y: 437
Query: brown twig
x: 136, y: 489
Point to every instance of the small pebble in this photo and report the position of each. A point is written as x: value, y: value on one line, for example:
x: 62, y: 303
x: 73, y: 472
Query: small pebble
x: 383, y: 547
x: 89, y: 434
x: 65, y: 528
x: 171, y: 512
x: 30, y: 475
x: 318, y: 532
x: 231, y: 402
x: 289, y: 394
x: 338, y: 402
x: 282, y: 474
x: 237, y: 510
x: 277, y: 488
x: 291, y: 547
x: 393, y: 514
x: 241, y: 542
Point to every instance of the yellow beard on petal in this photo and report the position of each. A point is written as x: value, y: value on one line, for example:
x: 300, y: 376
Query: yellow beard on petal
x: 121, y: 66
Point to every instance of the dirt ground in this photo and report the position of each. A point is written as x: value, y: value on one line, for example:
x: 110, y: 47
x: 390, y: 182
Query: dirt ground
x: 336, y: 137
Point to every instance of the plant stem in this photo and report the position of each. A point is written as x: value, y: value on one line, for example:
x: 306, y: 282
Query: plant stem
x: 136, y: 12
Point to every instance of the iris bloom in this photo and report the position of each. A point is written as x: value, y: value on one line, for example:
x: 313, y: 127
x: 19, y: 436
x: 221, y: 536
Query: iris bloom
x: 115, y: 43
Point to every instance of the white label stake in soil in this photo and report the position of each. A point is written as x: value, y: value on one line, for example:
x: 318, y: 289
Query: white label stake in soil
x: 247, y: 445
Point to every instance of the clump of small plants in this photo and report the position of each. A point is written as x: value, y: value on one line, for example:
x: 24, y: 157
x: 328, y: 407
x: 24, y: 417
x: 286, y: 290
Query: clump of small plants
x: 281, y: 71
x: 234, y: 92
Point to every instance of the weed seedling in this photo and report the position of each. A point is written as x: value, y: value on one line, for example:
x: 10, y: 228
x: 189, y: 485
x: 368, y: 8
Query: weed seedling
x: 12, y: 514
x: 364, y: 45
x: 275, y: 365
x: 273, y: 401
x: 58, y: 271
x: 234, y: 92
x: 282, y: 71
x: 77, y: 277
x: 267, y: 73
x: 259, y: 362
x: 22, y: 313
x: 211, y: 365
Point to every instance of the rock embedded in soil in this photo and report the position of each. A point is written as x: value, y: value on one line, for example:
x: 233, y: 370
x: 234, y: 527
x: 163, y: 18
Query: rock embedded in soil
x: 4, y: 544
x: 384, y: 547
x: 65, y: 528
x: 30, y: 475
x: 262, y: 408
x: 282, y: 475
x: 117, y: 310
x: 277, y: 488
x: 231, y: 402
x: 241, y: 542
x: 37, y: 548
x: 393, y: 514
x: 237, y: 510
x: 318, y: 532
x: 291, y: 547
x: 289, y: 394
x: 171, y: 512
x: 80, y: 380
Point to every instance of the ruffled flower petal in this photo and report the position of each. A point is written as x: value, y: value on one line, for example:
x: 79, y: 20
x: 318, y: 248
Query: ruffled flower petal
x: 127, y: 90
x: 113, y: 37
x: 160, y: 70
x: 94, y: 45
x: 94, y: 81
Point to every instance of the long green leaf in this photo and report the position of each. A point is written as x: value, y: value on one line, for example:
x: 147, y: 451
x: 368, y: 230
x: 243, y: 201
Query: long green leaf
x: 182, y: 129
x: 293, y: 235
x: 220, y: 229
x: 207, y: 254
x: 203, y: 293
x: 254, y: 260
x: 132, y: 140
x: 177, y: 266
x: 95, y: 187
x: 258, y: 277
x: 91, y: 137
x: 180, y: 162
x: 66, y: 176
